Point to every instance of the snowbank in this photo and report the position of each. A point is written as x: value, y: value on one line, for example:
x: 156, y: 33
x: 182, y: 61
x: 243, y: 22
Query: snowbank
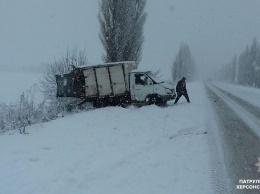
x: 113, y: 150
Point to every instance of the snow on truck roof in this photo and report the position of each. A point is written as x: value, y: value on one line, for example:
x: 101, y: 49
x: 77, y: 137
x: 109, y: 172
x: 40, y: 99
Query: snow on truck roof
x: 140, y: 71
x: 106, y: 64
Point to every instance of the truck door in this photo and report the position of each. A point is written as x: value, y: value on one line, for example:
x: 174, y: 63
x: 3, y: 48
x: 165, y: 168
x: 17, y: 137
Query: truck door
x: 143, y: 86
x: 118, y: 79
x: 90, y: 82
x: 103, y: 81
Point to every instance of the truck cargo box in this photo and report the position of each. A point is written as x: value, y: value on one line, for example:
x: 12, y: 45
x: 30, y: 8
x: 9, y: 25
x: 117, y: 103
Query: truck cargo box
x: 109, y: 79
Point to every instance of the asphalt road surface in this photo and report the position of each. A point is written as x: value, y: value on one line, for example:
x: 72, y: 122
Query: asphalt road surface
x: 240, y: 144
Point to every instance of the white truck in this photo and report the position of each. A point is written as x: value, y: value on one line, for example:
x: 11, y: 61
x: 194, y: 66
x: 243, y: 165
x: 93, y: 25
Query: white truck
x: 116, y: 83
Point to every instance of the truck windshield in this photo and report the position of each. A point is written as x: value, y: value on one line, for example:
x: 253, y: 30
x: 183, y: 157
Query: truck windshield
x: 154, y: 77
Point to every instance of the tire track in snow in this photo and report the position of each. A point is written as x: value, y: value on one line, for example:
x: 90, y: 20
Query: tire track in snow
x: 220, y: 181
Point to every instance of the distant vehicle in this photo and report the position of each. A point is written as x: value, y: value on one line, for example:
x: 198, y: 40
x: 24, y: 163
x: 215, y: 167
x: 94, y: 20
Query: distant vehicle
x: 116, y: 83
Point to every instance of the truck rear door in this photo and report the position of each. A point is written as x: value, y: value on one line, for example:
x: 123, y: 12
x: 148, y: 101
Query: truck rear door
x: 65, y: 85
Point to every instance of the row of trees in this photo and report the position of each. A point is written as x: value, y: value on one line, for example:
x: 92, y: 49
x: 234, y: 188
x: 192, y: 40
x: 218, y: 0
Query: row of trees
x: 244, y: 70
x: 184, y: 64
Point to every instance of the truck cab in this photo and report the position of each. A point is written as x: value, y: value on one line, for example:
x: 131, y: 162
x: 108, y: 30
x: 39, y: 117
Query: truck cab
x: 146, y: 88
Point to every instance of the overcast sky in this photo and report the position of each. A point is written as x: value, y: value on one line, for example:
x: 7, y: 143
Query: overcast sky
x: 33, y: 32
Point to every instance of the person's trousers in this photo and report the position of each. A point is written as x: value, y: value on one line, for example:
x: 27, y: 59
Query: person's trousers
x: 185, y: 94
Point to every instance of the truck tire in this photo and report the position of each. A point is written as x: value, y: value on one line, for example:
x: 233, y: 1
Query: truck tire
x: 100, y: 102
x: 155, y: 99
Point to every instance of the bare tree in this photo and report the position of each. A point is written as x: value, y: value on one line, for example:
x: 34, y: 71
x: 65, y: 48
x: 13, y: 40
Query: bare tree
x: 61, y: 66
x: 121, y: 29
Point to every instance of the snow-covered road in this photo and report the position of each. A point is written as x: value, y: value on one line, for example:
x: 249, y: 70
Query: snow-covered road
x: 114, y: 150
x: 243, y: 103
x: 238, y: 124
x: 248, y: 94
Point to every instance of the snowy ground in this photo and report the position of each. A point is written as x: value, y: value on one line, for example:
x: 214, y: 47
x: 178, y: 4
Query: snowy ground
x: 113, y: 150
x: 119, y: 150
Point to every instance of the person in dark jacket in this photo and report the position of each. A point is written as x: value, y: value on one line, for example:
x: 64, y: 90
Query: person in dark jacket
x: 181, y: 90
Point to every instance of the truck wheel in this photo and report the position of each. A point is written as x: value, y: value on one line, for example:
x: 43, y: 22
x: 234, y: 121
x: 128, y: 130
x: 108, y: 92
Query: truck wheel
x: 149, y: 100
x: 95, y: 104
x: 159, y: 102
x: 154, y: 100
x: 98, y: 103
